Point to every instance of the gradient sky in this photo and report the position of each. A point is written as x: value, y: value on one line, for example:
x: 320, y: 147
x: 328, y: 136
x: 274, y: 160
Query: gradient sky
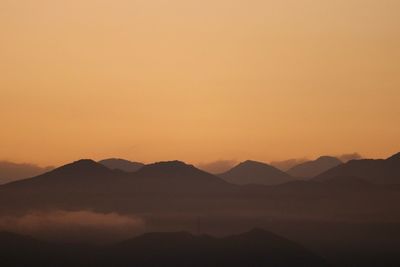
x: 199, y: 81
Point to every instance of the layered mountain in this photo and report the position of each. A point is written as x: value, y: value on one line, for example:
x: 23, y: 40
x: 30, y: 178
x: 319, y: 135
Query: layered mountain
x: 169, y: 189
x: 381, y: 171
x: 20, y: 250
x: 177, y: 176
x: 83, y: 183
x: 253, y: 172
x: 254, y: 248
x: 121, y: 164
x: 88, y: 175
x: 313, y: 168
x: 87, y: 184
x: 348, y: 182
x: 83, y: 175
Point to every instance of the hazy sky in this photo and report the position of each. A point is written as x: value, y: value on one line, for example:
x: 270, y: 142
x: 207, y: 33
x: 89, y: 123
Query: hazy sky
x: 198, y: 81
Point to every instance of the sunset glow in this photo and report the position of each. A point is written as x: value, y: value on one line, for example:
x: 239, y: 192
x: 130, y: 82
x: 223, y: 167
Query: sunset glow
x: 198, y: 81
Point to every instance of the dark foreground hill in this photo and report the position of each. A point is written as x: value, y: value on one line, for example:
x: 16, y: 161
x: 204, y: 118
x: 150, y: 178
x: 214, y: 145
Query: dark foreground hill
x: 254, y: 248
x: 18, y: 250
x: 253, y: 172
x: 177, y: 188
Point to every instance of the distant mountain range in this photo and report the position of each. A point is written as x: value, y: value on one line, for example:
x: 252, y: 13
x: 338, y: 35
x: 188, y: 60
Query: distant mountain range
x: 253, y: 172
x: 121, y: 164
x: 254, y: 248
x: 88, y: 176
x: 311, y: 169
x: 374, y: 171
x: 163, y: 187
x: 174, y: 196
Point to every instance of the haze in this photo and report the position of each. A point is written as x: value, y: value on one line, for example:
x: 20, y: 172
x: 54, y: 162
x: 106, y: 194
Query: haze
x: 198, y: 80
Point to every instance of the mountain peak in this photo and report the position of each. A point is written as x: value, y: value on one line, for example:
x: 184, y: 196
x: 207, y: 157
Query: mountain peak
x: 252, y: 164
x: 254, y: 172
x: 313, y: 168
x: 168, y: 166
x: 83, y: 166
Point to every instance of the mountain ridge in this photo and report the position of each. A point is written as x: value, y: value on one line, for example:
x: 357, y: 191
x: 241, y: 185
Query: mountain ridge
x: 254, y: 172
x: 377, y: 171
x: 121, y: 164
x: 313, y: 168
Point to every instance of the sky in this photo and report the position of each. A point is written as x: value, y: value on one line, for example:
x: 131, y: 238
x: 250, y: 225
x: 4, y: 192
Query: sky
x: 199, y: 81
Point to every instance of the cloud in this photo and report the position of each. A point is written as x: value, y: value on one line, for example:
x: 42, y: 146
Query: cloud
x: 218, y: 166
x: 350, y: 156
x: 74, y: 226
x: 10, y: 171
x: 287, y: 164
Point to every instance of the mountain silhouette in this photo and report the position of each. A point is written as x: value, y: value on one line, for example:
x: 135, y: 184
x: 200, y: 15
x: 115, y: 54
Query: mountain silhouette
x: 254, y: 248
x: 177, y: 188
x: 311, y: 169
x: 381, y: 171
x: 253, y: 172
x: 174, y: 176
x: 79, y: 184
x: 87, y: 184
x: 10, y: 171
x: 394, y: 158
x: 92, y: 177
x: 121, y: 164
x: 82, y: 174
x: 348, y: 182
x: 19, y: 250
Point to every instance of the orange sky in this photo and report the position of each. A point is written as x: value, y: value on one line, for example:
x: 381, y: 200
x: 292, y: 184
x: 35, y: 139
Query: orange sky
x: 198, y: 81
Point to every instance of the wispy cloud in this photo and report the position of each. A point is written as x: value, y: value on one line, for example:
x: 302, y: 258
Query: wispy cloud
x: 73, y: 226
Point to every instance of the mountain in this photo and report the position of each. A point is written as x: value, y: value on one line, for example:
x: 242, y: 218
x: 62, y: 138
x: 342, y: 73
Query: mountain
x: 395, y: 158
x: 88, y: 176
x: 19, y: 250
x: 254, y: 248
x: 311, y: 169
x: 381, y: 171
x: 348, y: 182
x: 171, y: 194
x: 81, y: 175
x: 121, y: 164
x: 10, y: 171
x: 83, y: 183
x: 253, y: 172
x: 177, y: 176
x: 86, y: 184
